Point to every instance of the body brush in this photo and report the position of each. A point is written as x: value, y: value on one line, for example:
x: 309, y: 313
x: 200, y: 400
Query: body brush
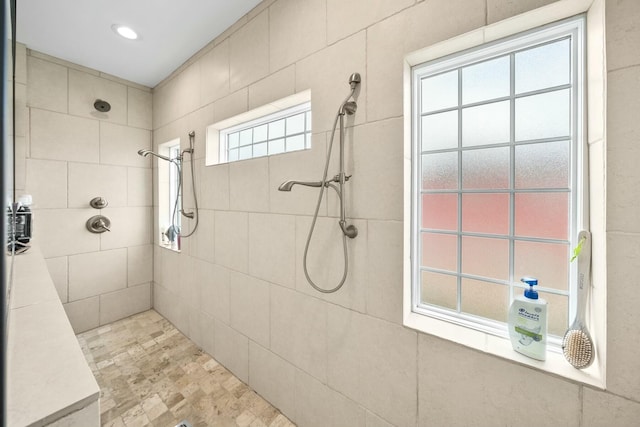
x: 577, y: 345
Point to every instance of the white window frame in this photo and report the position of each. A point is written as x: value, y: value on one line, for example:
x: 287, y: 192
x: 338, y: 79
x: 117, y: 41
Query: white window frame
x: 216, y: 134
x: 491, y: 337
x: 167, y: 188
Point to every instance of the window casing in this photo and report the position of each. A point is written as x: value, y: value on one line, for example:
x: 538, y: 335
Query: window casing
x: 497, y: 149
x: 169, y: 200
x: 470, y: 335
x: 284, y: 131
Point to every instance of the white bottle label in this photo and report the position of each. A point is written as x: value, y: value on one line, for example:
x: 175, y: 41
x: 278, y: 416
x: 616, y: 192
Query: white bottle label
x: 528, y: 328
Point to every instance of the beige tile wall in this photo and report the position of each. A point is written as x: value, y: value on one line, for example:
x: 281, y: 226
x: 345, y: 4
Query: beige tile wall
x: 76, y: 153
x: 238, y: 289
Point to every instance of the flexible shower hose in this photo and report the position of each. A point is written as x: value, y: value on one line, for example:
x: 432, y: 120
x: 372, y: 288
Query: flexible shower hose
x: 315, y: 218
x: 195, y: 198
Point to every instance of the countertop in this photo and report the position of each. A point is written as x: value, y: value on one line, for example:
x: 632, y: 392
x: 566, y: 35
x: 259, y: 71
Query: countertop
x: 47, y: 374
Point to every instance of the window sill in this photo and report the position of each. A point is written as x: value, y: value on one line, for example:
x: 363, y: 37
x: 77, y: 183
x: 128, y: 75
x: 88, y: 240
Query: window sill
x: 171, y: 247
x: 501, y: 347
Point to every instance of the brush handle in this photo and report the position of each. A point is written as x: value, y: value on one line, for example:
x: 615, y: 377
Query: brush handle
x: 584, y: 275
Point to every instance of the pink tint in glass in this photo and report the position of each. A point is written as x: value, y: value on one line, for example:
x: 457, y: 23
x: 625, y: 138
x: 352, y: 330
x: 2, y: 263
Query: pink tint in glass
x: 440, y: 211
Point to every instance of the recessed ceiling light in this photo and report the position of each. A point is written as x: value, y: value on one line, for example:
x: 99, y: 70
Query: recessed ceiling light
x: 124, y: 31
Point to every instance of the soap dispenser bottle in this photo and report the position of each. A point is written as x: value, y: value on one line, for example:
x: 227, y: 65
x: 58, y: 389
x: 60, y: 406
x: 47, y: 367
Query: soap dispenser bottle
x: 528, y: 322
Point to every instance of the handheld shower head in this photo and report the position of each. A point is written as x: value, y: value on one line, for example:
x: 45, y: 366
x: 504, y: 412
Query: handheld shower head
x: 286, y: 186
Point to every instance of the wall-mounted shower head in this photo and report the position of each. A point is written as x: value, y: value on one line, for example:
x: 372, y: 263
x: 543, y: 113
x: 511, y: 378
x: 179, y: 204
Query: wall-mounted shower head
x: 145, y: 153
x: 102, y: 106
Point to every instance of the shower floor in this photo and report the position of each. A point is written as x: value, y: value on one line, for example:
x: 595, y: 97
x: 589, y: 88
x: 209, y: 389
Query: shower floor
x: 151, y: 375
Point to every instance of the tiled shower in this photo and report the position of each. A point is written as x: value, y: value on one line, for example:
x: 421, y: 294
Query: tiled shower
x: 237, y: 288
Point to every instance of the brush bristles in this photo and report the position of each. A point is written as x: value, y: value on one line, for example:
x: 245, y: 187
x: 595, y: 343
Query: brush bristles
x: 577, y: 348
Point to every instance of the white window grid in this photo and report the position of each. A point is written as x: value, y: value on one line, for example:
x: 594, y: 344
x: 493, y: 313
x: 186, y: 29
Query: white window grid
x: 281, y: 132
x: 572, y: 29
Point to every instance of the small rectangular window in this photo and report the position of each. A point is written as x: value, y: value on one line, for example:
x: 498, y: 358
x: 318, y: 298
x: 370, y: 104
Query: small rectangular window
x: 280, y: 132
x: 496, y: 146
x: 169, y: 192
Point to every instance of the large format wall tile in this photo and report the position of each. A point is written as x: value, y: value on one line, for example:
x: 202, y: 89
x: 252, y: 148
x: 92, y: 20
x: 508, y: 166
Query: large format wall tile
x: 85, y: 89
x: 249, y: 307
x: 298, y: 334
x: 84, y: 314
x: 273, y: 378
x: 232, y: 240
x: 139, y: 104
x: 47, y: 86
x: 47, y: 183
x: 56, y: 136
x: 87, y: 181
x: 119, y: 145
x: 214, y: 72
x: 97, y: 273
x: 249, y: 52
x: 373, y: 362
x: 272, y: 248
x: 124, y: 303
x: 345, y: 18
x: 296, y: 29
x: 491, y: 389
x: 139, y: 264
x: 61, y: 232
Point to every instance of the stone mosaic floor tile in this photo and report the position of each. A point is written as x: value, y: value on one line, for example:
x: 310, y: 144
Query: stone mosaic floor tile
x: 151, y: 375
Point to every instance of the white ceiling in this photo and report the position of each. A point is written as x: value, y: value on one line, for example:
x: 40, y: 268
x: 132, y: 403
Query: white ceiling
x: 170, y: 31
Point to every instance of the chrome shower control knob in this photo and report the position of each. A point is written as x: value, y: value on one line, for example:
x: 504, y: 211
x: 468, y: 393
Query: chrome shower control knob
x: 98, y: 224
x: 98, y: 203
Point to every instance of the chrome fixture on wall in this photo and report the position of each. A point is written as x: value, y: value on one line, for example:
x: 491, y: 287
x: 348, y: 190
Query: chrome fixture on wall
x: 102, y: 106
x: 98, y: 203
x: 177, y: 161
x: 347, y: 107
x: 98, y: 224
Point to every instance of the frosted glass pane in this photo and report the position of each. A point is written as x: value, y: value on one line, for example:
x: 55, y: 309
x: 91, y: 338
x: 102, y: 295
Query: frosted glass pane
x: 486, y: 80
x: 295, y: 124
x: 558, y: 312
x: 295, y: 143
x: 542, y: 67
x: 276, y: 146
x: 486, y: 124
x: 260, y: 149
x: 276, y: 129
x: 485, y: 169
x: 485, y: 299
x: 439, y: 289
x: 260, y: 133
x: 485, y: 213
x: 439, y: 251
x: 234, y: 138
x: 543, y: 116
x: 542, y: 165
x: 542, y: 215
x: 440, y: 92
x: 246, y: 137
x: 440, y: 171
x: 440, y: 131
x: 549, y: 262
x: 307, y: 140
x: 440, y: 211
x: 245, y: 152
x: 485, y: 257
x: 233, y: 155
